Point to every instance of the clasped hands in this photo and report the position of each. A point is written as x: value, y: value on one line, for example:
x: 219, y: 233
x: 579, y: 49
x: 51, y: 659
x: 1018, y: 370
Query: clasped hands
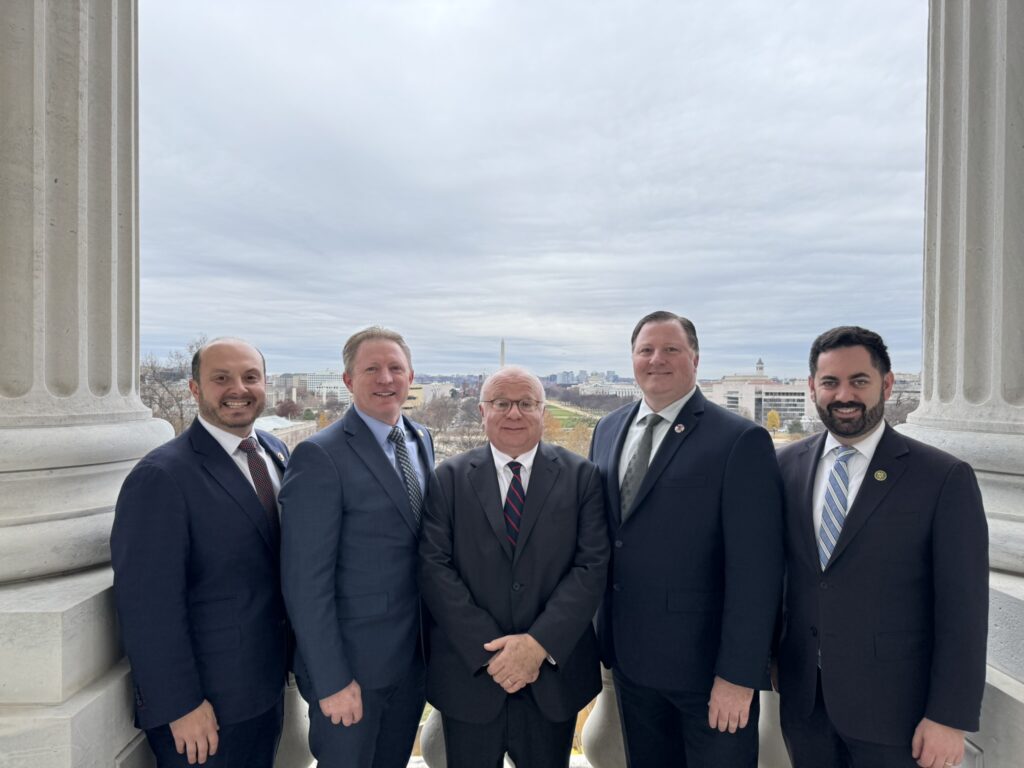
x: 516, y: 661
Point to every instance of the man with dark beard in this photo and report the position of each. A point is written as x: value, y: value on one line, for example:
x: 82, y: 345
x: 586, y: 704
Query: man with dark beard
x: 882, y: 654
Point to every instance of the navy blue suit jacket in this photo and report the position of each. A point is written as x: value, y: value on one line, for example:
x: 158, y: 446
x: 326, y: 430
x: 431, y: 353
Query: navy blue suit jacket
x: 478, y: 588
x: 348, y: 559
x: 196, y: 583
x: 901, y: 611
x: 696, y: 570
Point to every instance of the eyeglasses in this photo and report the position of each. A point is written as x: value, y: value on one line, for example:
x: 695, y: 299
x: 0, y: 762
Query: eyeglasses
x: 504, y: 405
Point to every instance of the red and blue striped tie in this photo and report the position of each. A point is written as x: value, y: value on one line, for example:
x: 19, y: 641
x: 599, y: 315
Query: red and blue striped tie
x: 514, y: 501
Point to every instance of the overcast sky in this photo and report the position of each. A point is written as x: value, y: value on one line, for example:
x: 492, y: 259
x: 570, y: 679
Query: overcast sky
x: 547, y: 172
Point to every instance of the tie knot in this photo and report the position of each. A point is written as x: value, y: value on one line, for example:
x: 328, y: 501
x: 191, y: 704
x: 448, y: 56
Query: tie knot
x: 515, y: 466
x: 845, y: 453
x: 248, y: 445
x: 396, y: 435
x: 651, y: 420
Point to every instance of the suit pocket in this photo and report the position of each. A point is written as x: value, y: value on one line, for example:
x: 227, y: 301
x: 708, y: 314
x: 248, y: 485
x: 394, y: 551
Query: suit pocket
x: 362, y: 606
x: 217, y: 640
x: 890, y: 646
x: 694, y: 602
x: 213, y: 613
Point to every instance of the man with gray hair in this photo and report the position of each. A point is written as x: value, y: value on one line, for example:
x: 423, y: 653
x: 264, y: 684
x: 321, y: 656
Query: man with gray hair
x: 351, y: 506
x: 514, y: 555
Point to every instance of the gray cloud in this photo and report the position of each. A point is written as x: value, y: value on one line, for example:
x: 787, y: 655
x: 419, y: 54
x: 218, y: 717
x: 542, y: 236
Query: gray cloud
x: 543, y: 172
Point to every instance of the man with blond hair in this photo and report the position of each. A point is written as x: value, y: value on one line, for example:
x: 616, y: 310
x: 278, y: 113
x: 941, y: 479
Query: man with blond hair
x: 351, y: 506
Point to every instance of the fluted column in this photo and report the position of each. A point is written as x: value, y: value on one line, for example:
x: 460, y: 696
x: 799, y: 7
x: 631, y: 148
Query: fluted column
x: 71, y: 421
x: 972, y: 399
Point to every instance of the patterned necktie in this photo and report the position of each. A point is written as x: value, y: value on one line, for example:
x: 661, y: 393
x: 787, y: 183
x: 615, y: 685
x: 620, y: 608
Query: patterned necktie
x: 638, y: 465
x: 833, y: 512
x: 515, y: 499
x: 412, y: 483
x: 261, y: 479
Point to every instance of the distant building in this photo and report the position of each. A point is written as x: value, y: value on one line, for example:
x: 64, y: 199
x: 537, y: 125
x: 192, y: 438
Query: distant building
x: 291, y: 433
x: 753, y: 396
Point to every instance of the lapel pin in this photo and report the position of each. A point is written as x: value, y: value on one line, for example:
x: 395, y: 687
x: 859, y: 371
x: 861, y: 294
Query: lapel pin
x: 280, y: 457
x: 679, y: 429
x: 880, y: 475
x: 419, y: 432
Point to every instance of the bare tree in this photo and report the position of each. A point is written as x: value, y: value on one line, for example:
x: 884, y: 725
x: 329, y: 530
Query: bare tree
x: 163, y: 385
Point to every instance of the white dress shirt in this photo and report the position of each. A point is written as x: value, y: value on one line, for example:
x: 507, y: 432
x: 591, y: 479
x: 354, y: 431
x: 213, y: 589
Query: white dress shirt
x: 505, y: 474
x: 230, y: 443
x: 636, y: 430
x: 856, y: 465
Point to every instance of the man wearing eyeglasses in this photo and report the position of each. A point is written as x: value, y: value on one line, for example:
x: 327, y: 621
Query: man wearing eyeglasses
x: 513, y: 558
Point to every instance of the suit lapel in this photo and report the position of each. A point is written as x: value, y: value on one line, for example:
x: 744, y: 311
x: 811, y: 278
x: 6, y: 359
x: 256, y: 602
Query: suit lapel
x: 684, y: 425
x: 223, y: 469
x: 543, y: 477
x: 278, y: 457
x: 484, y: 479
x: 807, y: 466
x: 883, y: 472
x: 614, y: 492
x: 366, y: 447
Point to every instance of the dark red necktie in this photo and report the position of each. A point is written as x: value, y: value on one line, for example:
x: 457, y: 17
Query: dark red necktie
x: 261, y: 479
x: 514, y: 502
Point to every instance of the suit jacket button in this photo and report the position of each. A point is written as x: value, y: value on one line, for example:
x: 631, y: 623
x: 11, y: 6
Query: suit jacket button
x: 617, y: 587
x: 516, y: 587
x: 824, y: 585
x: 618, y: 543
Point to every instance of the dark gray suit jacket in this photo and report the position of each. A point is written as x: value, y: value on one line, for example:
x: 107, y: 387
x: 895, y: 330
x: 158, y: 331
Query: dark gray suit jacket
x: 348, y: 559
x: 477, y: 588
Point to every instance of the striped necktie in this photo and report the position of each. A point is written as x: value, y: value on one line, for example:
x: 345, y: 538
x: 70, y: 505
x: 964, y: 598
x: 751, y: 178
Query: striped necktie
x: 515, y: 499
x: 412, y: 482
x: 833, y: 512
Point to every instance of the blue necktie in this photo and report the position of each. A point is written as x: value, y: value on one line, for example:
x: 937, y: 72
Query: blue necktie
x: 833, y: 512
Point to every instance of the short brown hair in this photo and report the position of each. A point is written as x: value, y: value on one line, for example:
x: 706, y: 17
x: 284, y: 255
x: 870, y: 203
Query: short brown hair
x: 351, y: 349
x: 664, y: 316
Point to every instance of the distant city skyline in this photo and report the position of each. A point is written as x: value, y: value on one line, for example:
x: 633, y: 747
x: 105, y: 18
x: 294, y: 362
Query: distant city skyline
x: 543, y: 172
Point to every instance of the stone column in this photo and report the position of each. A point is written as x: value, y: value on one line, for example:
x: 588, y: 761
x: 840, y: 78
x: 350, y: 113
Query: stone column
x: 972, y: 399
x: 71, y: 421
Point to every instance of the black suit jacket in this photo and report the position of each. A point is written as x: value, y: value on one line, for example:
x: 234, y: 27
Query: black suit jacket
x: 900, y: 613
x: 696, y: 571
x: 197, y: 583
x: 348, y: 559
x: 477, y: 588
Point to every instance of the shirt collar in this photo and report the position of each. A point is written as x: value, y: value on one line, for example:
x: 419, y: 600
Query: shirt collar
x: 228, y: 441
x: 865, y: 446
x: 380, y: 429
x: 670, y: 412
x: 526, y: 459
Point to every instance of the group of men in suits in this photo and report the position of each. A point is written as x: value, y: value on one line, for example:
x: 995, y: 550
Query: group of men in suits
x: 475, y: 585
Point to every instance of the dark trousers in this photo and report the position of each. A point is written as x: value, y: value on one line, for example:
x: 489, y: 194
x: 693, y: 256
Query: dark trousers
x: 249, y: 744
x: 521, y: 730
x: 669, y: 729
x: 813, y: 742
x: 383, y: 738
